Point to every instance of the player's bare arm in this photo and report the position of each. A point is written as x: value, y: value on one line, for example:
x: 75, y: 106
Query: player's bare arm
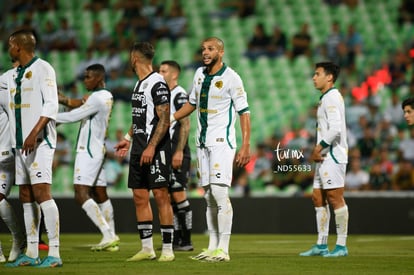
x: 122, y: 147
x: 70, y: 102
x: 163, y: 112
x: 30, y: 142
x: 184, y: 111
x: 243, y: 156
x: 316, y: 153
x: 178, y: 156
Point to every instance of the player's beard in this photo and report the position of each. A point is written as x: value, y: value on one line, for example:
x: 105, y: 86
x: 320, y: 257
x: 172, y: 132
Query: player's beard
x: 212, y: 63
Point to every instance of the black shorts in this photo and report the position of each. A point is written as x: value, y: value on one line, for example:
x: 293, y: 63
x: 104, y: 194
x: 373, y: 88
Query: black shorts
x: 179, y: 178
x: 152, y: 176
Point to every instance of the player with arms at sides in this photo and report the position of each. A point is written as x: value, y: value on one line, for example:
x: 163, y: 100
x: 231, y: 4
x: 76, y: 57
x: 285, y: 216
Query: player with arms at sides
x: 331, y: 157
x: 89, y: 176
x: 7, y: 171
x: 150, y: 159
x: 217, y: 95
x: 408, y: 108
x: 181, y: 160
x: 34, y: 106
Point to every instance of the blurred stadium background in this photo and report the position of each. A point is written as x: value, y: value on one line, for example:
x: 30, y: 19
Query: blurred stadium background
x: 280, y: 90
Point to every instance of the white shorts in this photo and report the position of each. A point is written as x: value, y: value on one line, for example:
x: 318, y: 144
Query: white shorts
x: 35, y: 167
x: 329, y: 175
x: 89, y: 171
x: 215, y: 164
x: 7, y: 172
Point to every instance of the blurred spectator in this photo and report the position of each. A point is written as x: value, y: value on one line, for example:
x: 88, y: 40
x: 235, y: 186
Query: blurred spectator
x: 262, y: 171
x: 134, y: 19
x: 277, y: 43
x: 367, y: 144
x: 405, y: 12
x: 353, y: 114
x: 158, y: 25
x: 240, y: 184
x: 176, y: 23
x: 149, y: 9
x: 65, y: 37
x: 113, y: 164
x: 100, y: 39
x: 112, y: 60
x: 97, y: 5
x: 406, y: 147
x: 356, y: 178
x: 354, y: 46
x: 240, y: 8
x: 48, y: 37
x: 393, y: 110
x: 301, y: 42
x: 89, y: 59
x: 258, y: 43
x: 334, y: 38
x: 123, y: 36
x: 378, y: 180
x: 398, y: 67
x: 404, y: 178
x: 197, y: 60
x: 63, y: 152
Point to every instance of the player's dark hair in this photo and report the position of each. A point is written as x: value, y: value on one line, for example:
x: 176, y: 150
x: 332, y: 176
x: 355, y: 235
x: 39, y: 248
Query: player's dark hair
x: 330, y: 68
x: 145, y: 48
x: 408, y: 102
x: 172, y: 63
x: 99, y: 68
x: 25, y: 38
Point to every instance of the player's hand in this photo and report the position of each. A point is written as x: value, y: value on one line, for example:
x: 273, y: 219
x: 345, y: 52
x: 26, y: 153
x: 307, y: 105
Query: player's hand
x: 177, y: 159
x: 243, y: 156
x: 316, y: 155
x: 148, y: 155
x: 122, y: 148
x: 29, y: 144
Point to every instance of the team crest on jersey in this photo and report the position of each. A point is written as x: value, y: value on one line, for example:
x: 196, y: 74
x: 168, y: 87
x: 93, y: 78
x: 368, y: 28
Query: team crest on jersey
x: 3, y: 176
x: 199, y: 81
x: 219, y: 84
x: 35, y: 165
x: 145, y: 85
x: 28, y: 75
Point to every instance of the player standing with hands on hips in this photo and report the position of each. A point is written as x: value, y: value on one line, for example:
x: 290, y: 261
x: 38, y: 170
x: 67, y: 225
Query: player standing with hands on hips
x: 150, y: 161
x: 34, y: 106
x: 217, y: 95
x: 331, y: 157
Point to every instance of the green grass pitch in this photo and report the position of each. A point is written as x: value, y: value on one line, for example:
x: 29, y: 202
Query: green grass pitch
x: 250, y: 254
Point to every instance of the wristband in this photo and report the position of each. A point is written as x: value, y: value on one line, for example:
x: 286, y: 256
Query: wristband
x: 172, y: 118
x: 128, y: 137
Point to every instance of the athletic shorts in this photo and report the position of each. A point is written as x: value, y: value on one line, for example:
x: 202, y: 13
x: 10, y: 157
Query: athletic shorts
x: 35, y: 167
x: 152, y: 176
x: 215, y: 164
x: 7, y: 172
x: 179, y: 178
x: 329, y: 175
x: 89, y: 171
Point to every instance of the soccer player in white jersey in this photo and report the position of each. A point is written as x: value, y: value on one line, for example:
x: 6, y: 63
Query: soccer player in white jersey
x: 217, y: 95
x: 181, y: 159
x: 150, y: 161
x: 408, y: 108
x: 34, y: 106
x: 331, y: 157
x: 7, y: 172
x: 89, y: 177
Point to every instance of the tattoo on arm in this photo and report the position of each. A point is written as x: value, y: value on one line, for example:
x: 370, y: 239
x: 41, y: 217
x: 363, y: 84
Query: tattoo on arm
x: 184, y: 132
x: 163, y: 112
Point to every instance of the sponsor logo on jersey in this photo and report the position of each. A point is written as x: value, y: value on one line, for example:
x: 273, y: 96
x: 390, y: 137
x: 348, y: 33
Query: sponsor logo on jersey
x: 5, y: 153
x: 218, y: 175
x: 219, y: 139
x: 39, y: 174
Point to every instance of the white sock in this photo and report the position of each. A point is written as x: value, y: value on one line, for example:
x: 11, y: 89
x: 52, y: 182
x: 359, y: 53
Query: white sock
x: 341, y: 219
x: 31, y: 213
x: 211, y: 218
x: 108, y: 213
x: 52, y: 224
x: 323, y: 215
x: 224, y: 216
x: 94, y: 213
x: 9, y: 218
